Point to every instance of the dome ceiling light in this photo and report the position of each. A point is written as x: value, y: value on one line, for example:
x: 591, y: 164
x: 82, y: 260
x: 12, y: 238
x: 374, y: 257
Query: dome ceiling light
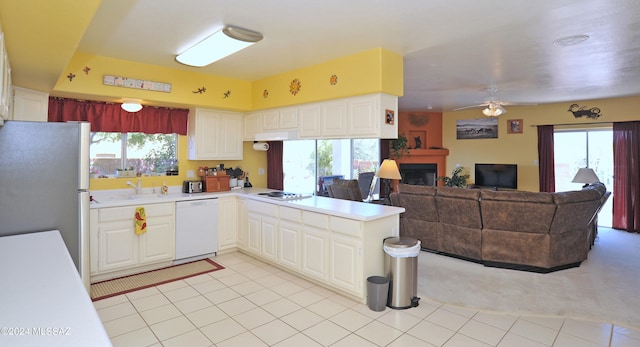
x: 131, y: 105
x: 221, y: 44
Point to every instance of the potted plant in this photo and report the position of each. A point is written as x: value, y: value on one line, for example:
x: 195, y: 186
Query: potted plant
x: 399, y: 147
x: 456, y: 179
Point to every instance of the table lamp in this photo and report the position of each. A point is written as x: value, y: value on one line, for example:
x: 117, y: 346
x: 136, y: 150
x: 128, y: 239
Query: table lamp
x: 388, y: 171
x: 585, y: 175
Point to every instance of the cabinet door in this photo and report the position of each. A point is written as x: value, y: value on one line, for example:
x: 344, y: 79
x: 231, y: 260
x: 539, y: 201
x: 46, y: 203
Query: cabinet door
x: 271, y: 120
x: 117, y: 245
x: 227, y: 223
x: 289, y: 118
x: 269, y: 242
x: 254, y: 233
x: 364, y: 116
x: 158, y: 243
x: 345, y: 268
x: 252, y: 126
x: 309, y: 125
x: 315, y: 252
x: 229, y: 137
x: 289, y: 244
x: 30, y: 105
x: 243, y: 225
x: 334, y: 119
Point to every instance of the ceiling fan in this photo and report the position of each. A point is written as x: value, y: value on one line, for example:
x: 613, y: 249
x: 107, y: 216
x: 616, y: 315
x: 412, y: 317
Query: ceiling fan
x: 492, y: 108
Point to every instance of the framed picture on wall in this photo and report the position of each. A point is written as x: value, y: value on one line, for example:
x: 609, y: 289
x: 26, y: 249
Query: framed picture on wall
x: 390, y: 117
x: 514, y: 126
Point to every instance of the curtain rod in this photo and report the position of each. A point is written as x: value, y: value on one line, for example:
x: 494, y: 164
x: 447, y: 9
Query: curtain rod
x: 565, y: 124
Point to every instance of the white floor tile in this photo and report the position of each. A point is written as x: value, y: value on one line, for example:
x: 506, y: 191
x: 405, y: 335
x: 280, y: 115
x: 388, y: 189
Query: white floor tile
x: 514, y: 340
x: 622, y: 340
x: 172, y: 327
x: 567, y: 340
x: 193, y: 304
x: 236, y: 306
x: 137, y: 338
x: 281, y: 307
x: 399, y: 319
x: 354, y: 340
x: 351, y: 320
x: 234, y: 279
x: 194, y: 338
x: 246, y: 339
x: 263, y: 296
x: 326, y: 308
x: 211, y: 285
x: 302, y: 319
x: 326, y: 333
x: 407, y: 340
x: 434, y: 334
x: 172, y: 286
x: 222, y: 295
x: 161, y: 313
x: 116, y: 311
x: 633, y: 333
x: 305, y: 298
x: 498, y: 320
x: 379, y: 333
x: 247, y: 287
x: 534, y: 332
x: 254, y: 318
x: 181, y: 294
x: 447, y: 319
x: 274, y: 332
x: 124, y: 325
x: 598, y: 333
x: 482, y: 332
x: 287, y: 288
x: 142, y: 293
x: 459, y: 340
x: 222, y: 330
x: 206, y: 316
x: 114, y: 300
x: 150, y: 302
x: 298, y: 340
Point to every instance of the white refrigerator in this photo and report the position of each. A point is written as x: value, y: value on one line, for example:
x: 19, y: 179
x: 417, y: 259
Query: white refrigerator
x: 44, y: 183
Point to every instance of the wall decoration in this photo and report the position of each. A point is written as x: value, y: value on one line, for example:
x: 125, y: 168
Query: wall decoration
x: 265, y: 93
x: 227, y: 94
x: 118, y: 81
x: 86, y: 70
x: 418, y: 120
x: 295, y: 86
x: 71, y: 76
x: 419, y: 138
x: 389, y: 117
x: 514, y: 126
x: 200, y: 90
x: 333, y: 80
x: 582, y: 111
x: 481, y: 128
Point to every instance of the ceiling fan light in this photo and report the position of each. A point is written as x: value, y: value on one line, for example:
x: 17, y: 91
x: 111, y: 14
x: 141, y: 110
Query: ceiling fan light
x: 131, y: 105
x: 494, y: 110
x: 221, y: 44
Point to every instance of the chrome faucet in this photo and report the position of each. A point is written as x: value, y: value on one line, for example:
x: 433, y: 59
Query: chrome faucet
x: 137, y: 188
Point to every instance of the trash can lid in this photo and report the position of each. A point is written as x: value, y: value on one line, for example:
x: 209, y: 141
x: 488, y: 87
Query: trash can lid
x: 400, y: 242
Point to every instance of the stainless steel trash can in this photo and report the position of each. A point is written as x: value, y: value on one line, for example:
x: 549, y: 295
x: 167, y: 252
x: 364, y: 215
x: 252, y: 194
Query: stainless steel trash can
x: 401, y: 267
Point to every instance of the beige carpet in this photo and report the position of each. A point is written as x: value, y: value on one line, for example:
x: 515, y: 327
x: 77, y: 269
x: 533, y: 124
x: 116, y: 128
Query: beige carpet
x: 605, y: 288
x: 122, y: 285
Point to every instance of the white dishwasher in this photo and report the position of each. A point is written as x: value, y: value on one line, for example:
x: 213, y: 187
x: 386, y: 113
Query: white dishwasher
x: 196, y: 229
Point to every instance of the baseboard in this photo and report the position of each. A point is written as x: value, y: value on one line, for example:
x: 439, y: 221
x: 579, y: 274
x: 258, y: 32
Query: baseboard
x: 529, y: 268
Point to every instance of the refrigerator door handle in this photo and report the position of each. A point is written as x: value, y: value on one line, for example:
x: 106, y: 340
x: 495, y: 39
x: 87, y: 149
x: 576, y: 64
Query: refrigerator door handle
x: 85, y: 156
x: 83, y: 243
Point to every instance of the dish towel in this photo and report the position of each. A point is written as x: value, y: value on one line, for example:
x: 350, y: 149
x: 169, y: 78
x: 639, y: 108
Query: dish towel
x: 140, y: 221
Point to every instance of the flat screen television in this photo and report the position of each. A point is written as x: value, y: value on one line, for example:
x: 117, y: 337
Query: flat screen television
x: 497, y: 175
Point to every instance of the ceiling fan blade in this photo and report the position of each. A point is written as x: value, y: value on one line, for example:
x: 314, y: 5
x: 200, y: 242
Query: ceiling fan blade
x: 472, y: 106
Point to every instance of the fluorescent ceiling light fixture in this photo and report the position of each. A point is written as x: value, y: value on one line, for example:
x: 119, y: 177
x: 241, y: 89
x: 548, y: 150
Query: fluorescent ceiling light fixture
x: 221, y: 44
x: 494, y: 110
x: 131, y: 105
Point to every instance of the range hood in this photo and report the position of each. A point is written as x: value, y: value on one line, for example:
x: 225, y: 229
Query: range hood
x: 277, y: 135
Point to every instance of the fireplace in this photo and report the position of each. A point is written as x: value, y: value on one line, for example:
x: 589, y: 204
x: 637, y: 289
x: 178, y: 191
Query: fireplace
x: 419, y: 174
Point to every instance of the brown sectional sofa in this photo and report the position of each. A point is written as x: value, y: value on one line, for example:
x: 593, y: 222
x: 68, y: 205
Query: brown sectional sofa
x: 539, y: 232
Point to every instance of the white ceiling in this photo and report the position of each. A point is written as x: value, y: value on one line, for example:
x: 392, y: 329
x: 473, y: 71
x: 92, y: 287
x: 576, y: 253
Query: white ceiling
x: 453, y: 50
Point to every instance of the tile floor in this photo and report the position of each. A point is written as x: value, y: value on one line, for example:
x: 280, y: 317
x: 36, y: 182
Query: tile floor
x: 251, y: 303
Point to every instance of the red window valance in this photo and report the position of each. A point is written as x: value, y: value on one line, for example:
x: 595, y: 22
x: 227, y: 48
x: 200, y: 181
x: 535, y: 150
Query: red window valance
x: 108, y: 117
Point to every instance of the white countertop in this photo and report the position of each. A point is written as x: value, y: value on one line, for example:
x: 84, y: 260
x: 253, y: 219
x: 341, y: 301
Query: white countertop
x: 42, y: 299
x: 335, y: 207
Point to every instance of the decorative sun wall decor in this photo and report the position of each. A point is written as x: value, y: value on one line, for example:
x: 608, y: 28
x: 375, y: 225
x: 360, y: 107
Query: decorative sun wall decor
x: 295, y: 86
x: 265, y: 93
x: 333, y: 80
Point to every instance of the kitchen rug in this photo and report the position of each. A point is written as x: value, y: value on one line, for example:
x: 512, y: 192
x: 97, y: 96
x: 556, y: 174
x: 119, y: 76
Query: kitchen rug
x: 122, y: 285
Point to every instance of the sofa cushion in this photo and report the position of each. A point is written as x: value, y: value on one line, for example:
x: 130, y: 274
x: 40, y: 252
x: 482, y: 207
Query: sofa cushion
x: 517, y: 211
x: 418, y: 202
x: 459, y: 206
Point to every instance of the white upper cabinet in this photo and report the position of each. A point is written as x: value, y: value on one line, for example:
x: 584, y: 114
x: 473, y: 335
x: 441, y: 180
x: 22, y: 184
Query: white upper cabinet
x: 273, y: 121
x: 215, y: 135
x: 30, y: 105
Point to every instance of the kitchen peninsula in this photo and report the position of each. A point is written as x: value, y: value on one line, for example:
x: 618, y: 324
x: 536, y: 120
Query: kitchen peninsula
x: 335, y: 243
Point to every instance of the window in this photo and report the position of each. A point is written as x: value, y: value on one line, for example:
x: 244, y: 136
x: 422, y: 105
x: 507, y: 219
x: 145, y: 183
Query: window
x: 149, y: 154
x: 574, y: 149
x: 310, y: 165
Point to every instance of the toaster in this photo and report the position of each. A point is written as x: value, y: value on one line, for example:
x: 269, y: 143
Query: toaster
x: 192, y: 186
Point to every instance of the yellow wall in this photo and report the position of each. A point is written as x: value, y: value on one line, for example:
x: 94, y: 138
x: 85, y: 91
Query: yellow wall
x: 522, y: 149
x: 372, y: 71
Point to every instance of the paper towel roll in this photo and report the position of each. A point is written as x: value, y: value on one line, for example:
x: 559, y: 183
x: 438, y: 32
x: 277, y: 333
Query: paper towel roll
x: 260, y: 146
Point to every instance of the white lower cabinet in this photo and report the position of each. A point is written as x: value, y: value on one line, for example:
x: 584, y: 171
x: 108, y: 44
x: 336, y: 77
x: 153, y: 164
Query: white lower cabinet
x: 227, y: 223
x: 115, y: 247
x: 289, y: 244
x: 315, y: 261
x: 345, y: 255
x: 262, y: 224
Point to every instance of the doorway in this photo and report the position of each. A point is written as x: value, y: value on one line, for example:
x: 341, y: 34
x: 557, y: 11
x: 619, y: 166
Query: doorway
x: 593, y: 148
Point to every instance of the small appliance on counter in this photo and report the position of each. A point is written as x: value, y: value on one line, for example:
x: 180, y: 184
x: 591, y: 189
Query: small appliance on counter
x: 192, y: 186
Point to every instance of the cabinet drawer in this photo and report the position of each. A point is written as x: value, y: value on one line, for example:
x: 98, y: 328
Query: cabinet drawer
x: 262, y: 208
x: 345, y: 226
x: 112, y: 214
x: 317, y: 220
x: 289, y: 213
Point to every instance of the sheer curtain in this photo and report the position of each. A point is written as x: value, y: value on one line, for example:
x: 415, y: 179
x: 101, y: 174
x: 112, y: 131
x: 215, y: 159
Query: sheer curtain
x: 108, y: 117
x: 626, y: 173
x: 546, y: 166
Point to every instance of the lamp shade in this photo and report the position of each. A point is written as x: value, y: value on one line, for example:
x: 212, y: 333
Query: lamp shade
x: 389, y: 170
x: 494, y: 110
x: 222, y: 43
x: 585, y: 175
x: 131, y: 105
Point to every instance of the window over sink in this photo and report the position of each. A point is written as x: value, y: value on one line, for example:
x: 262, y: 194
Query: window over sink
x: 147, y: 154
